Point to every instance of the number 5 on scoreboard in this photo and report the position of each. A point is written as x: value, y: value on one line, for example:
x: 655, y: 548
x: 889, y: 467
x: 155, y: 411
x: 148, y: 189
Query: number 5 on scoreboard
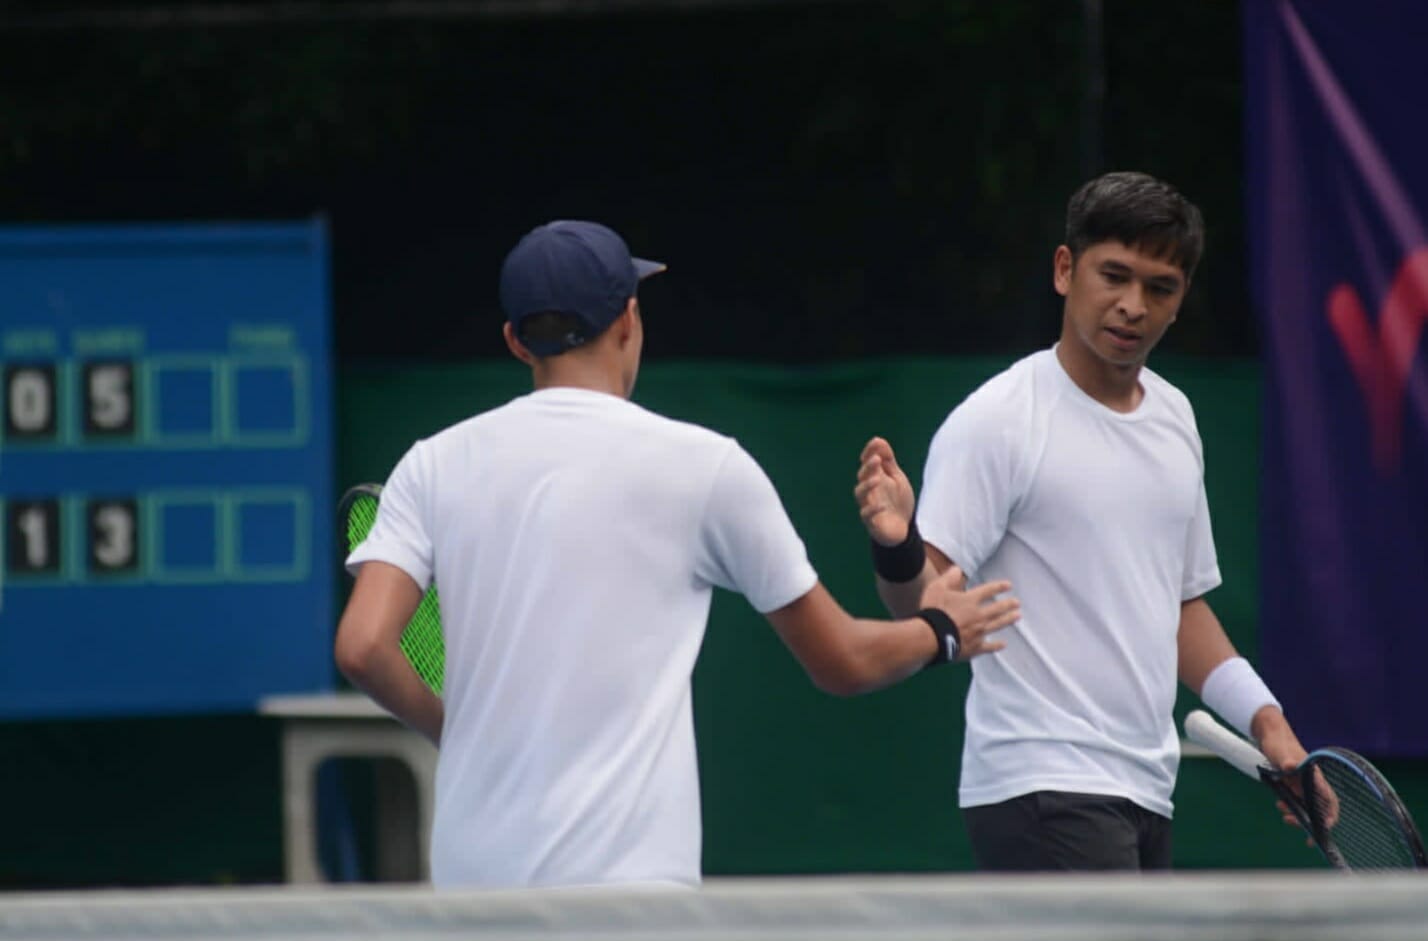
x: 109, y: 398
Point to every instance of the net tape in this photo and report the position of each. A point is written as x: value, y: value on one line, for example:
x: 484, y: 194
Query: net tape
x: 1081, y: 907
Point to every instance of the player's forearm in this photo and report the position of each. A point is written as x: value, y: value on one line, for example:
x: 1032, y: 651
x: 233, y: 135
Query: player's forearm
x: 386, y: 676
x: 1202, y: 644
x: 875, y: 654
x: 844, y: 655
x: 1227, y: 683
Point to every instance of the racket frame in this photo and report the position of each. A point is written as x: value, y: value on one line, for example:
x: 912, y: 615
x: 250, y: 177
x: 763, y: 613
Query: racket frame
x: 349, y: 497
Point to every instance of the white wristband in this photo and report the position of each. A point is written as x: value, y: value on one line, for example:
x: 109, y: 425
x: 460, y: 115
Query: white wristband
x: 1235, y: 691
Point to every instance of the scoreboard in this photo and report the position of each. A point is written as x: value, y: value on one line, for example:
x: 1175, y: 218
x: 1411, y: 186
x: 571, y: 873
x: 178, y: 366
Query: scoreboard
x: 165, y: 468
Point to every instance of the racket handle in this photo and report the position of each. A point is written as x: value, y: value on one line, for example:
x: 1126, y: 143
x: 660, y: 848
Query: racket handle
x: 1202, y: 729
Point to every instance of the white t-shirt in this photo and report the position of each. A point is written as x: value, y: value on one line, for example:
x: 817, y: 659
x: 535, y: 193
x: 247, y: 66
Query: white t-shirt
x: 576, y: 539
x: 1099, y: 519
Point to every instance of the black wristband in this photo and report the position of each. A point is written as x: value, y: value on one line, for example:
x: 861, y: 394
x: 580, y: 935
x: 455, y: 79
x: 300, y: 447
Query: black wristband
x: 902, y: 562
x: 949, y: 640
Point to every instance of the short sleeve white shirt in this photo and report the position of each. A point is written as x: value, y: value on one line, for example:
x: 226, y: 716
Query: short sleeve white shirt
x: 1099, y: 520
x: 576, y: 539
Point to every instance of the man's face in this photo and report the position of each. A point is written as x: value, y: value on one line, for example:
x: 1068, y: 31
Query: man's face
x: 1119, y: 301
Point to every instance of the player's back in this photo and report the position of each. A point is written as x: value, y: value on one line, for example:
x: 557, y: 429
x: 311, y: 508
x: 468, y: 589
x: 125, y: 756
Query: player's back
x: 575, y: 573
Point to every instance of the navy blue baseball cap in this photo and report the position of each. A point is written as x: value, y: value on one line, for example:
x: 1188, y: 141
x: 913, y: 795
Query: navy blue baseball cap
x: 578, y: 268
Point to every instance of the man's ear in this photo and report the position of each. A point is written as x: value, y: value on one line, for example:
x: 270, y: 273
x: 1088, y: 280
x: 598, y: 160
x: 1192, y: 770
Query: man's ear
x: 1063, y: 264
x: 514, y: 344
x: 625, y: 324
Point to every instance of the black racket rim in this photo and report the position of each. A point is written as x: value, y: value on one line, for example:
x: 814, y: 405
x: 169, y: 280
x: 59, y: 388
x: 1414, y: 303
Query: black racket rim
x: 344, y: 506
x: 351, y: 496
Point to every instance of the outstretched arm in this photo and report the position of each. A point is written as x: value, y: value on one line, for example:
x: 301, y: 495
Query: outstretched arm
x: 845, y: 656
x: 368, y: 647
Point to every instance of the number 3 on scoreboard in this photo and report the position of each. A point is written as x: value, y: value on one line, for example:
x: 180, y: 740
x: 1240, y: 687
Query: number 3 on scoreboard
x: 113, y: 535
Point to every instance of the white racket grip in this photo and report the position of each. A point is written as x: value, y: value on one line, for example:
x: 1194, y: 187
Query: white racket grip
x: 1202, y: 729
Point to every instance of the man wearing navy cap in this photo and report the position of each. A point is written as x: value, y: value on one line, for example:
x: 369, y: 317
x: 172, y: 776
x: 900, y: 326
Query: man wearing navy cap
x: 577, y: 539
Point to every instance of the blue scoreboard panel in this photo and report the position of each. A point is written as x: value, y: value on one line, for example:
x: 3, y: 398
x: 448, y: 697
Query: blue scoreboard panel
x: 165, y: 468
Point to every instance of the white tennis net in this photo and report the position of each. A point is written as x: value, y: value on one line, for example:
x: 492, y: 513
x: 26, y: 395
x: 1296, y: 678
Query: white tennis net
x: 1178, y: 907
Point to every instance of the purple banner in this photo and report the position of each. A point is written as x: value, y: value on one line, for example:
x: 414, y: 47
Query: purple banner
x: 1337, y: 136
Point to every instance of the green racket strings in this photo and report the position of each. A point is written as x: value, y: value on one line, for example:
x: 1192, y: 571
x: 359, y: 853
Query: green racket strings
x: 421, y: 640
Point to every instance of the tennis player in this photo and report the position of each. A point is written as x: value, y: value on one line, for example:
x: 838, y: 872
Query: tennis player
x: 577, y: 539
x: 1078, y: 474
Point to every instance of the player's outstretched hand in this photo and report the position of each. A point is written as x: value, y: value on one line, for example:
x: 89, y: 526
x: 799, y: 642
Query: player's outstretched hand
x: 978, y: 613
x: 884, y: 494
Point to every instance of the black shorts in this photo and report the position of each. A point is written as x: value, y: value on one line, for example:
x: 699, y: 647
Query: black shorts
x: 1059, y: 830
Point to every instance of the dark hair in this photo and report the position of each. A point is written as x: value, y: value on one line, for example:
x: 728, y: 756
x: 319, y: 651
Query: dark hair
x: 1138, y: 210
x: 548, y: 327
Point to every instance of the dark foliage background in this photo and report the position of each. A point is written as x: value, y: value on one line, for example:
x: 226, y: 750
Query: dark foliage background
x: 827, y: 180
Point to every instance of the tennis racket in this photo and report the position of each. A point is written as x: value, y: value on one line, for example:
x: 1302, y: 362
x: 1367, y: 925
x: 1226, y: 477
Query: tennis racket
x: 421, y: 639
x: 1345, y: 805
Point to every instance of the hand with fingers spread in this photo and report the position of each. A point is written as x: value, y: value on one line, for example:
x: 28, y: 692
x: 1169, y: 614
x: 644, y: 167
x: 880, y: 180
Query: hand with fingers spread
x: 978, y: 613
x: 885, y: 498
